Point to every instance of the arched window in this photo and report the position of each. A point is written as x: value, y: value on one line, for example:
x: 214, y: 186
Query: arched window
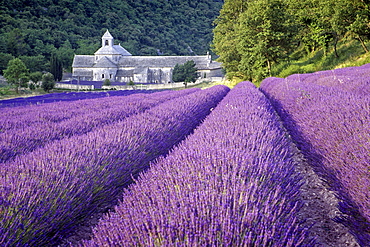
x: 102, y: 76
x: 106, y: 42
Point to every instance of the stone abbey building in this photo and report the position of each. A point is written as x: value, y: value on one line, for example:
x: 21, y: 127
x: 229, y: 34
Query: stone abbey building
x: 115, y: 63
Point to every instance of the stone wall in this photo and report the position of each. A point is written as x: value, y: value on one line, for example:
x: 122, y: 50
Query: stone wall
x: 137, y: 86
x: 74, y: 86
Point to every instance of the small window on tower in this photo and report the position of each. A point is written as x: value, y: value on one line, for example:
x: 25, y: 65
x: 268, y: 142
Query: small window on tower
x: 106, y: 42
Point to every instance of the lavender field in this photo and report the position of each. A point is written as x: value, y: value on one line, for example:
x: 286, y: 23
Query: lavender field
x: 66, y: 96
x: 286, y: 164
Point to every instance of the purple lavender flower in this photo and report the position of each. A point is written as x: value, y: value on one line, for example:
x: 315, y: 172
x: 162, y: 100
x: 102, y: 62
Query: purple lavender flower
x: 231, y: 183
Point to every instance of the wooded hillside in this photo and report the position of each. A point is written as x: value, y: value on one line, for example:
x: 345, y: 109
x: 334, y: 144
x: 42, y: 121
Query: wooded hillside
x: 252, y: 37
x: 34, y: 29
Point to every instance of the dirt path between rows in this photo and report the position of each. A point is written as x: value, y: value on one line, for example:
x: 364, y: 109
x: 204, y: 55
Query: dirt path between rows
x: 320, y: 209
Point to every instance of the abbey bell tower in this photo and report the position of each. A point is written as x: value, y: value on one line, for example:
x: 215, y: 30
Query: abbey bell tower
x: 107, y: 39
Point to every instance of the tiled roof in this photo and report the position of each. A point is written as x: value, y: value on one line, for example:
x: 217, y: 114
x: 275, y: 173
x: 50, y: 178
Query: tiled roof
x: 112, y: 50
x: 215, y: 65
x: 105, y: 62
x: 83, y: 61
x: 201, y: 62
x: 107, y: 35
x: 125, y: 73
x: 122, y: 50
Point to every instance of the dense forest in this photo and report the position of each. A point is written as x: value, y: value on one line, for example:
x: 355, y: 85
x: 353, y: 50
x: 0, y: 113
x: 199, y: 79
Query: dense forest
x: 253, y: 36
x: 33, y: 30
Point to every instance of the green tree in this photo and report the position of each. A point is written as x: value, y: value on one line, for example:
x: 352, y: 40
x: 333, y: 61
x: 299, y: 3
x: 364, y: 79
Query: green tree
x: 251, y: 36
x: 265, y: 36
x: 5, y: 58
x: 35, y: 63
x: 178, y: 73
x: 186, y: 72
x: 314, y: 21
x: 25, y: 78
x: 16, y: 44
x: 106, y: 82
x: 35, y: 77
x: 15, y: 72
x: 47, y: 82
x: 32, y: 86
x: 360, y: 27
x: 65, y: 54
x: 225, y: 36
x: 56, y: 67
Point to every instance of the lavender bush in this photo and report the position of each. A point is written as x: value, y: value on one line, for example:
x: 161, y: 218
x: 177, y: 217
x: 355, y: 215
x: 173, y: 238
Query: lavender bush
x: 23, y: 116
x: 351, y: 79
x: 45, y: 194
x: 331, y: 127
x: 67, y: 96
x: 24, y: 132
x: 231, y: 183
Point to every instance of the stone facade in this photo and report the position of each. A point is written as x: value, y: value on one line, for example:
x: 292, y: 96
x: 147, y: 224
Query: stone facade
x: 115, y: 63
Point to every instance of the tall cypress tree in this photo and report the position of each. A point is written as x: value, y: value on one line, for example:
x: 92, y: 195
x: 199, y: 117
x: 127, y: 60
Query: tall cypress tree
x: 56, y: 67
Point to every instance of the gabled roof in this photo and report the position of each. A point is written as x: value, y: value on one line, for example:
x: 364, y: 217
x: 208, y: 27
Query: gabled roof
x: 105, y: 62
x: 202, y: 62
x: 215, y: 65
x: 122, y: 51
x: 112, y: 50
x: 125, y: 73
x: 83, y: 61
x: 107, y: 35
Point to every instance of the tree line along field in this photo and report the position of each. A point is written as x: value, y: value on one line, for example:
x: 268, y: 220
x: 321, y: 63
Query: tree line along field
x: 286, y: 164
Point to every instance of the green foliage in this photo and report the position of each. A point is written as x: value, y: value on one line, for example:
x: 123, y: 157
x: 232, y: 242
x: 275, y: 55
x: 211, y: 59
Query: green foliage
x: 35, y: 77
x: 186, y: 72
x: 225, y: 36
x: 16, y: 72
x: 350, y: 54
x: 5, y: 91
x: 5, y: 58
x: 34, y: 30
x: 253, y: 37
x: 56, y: 67
x: 47, y: 82
x: 106, y: 82
x: 32, y: 86
x: 35, y: 63
x: 24, y: 79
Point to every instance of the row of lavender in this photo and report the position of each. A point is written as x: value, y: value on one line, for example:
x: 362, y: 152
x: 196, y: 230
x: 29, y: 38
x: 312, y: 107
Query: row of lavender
x: 14, y: 117
x: 24, y: 129
x: 350, y: 79
x: 330, y: 122
x: 231, y: 183
x: 47, y: 193
x: 67, y: 96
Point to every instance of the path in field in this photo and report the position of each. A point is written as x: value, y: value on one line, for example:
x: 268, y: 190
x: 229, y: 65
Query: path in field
x: 320, y: 209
